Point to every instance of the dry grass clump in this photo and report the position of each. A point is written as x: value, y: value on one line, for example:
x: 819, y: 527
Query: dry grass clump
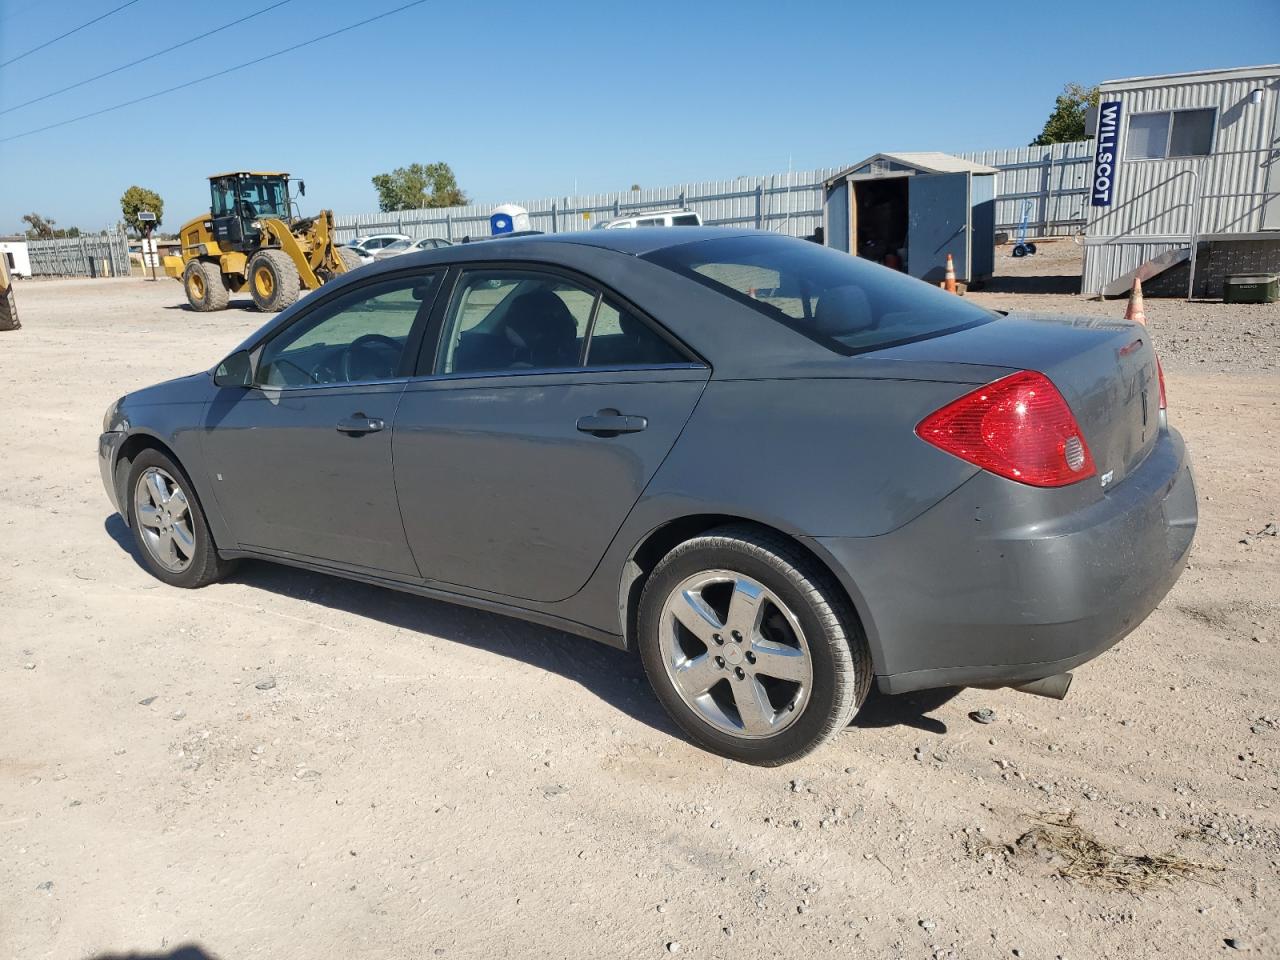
x: 1060, y: 842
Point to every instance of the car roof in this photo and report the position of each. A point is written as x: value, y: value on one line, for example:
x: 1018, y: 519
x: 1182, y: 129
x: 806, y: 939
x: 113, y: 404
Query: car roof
x: 637, y: 242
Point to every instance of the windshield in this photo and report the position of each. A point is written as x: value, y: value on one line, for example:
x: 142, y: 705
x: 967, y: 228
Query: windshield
x: 264, y: 197
x: 848, y: 304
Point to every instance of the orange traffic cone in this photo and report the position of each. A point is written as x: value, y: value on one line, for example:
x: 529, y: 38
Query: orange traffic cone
x: 949, y: 279
x: 1135, y: 310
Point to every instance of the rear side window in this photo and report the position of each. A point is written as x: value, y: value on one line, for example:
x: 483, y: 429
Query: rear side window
x: 685, y: 220
x: 847, y: 304
x: 526, y: 321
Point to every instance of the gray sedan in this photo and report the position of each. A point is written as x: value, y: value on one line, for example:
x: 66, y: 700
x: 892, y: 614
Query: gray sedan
x: 781, y: 473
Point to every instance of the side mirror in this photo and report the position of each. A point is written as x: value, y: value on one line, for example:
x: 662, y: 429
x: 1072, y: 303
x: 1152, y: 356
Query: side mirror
x: 235, y: 371
x: 302, y: 188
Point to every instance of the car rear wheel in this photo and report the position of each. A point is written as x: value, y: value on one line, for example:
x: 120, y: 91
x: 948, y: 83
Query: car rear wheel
x: 168, y: 525
x: 751, y: 647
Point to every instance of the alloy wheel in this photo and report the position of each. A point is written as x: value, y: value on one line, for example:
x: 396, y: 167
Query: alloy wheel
x: 735, y: 653
x: 163, y: 515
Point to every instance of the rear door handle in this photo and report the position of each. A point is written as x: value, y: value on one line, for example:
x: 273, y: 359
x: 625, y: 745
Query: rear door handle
x: 358, y: 423
x: 610, y: 423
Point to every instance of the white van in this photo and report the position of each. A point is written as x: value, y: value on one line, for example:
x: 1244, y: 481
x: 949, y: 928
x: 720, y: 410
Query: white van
x: 654, y: 218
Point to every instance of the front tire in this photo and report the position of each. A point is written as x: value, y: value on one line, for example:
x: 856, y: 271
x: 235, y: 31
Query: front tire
x: 8, y: 310
x: 205, y: 287
x: 169, y: 525
x: 273, y: 280
x: 751, y: 646
x: 350, y: 259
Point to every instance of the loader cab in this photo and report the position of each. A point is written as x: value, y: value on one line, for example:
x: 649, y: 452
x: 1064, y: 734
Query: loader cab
x: 240, y: 201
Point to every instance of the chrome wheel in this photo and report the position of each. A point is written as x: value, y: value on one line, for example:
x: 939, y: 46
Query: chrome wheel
x: 163, y: 515
x: 735, y: 654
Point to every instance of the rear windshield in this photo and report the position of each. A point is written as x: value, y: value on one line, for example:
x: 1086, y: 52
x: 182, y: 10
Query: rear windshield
x: 843, y: 302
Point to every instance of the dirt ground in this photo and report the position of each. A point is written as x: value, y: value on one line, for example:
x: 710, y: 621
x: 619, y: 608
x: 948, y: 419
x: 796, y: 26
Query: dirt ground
x: 422, y: 780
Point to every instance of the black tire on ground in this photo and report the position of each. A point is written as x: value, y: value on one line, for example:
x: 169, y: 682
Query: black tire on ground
x: 840, y: 658
x: 1031, y: 248
x: 350, y: 258
x: 206, y: 290
x: 1020, y: 250
x: 273, y: 280
x: 8, y: 310
x: 206, y: 566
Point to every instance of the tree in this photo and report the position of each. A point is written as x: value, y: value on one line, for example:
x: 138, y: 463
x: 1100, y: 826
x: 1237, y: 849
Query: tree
x: 417, y: 186
x: 136, y: 199
x: 1066, y: 123
x: 635, y: 188
x: 42, y: 228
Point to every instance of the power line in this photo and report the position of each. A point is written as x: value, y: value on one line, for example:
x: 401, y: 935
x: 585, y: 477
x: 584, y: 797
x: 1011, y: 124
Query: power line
x: 150, y: 56
x: 63, y: 36
x: 212, y: 76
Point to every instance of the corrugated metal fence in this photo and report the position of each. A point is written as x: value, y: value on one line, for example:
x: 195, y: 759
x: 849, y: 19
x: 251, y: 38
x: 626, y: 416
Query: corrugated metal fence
x: 90, y: 255
x: 1047, y: 184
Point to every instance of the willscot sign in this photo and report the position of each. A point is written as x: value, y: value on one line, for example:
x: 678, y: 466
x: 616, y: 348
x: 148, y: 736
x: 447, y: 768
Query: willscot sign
x: 1106, y: 153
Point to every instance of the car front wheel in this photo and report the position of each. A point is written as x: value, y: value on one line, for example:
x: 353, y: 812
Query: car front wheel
x: 168, y: 525
x: 751, y: 646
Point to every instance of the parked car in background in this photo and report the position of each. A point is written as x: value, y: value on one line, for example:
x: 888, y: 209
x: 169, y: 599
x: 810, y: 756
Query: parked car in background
x: 654, y: 218
x: 367, y: 247
x: 411, y: 246
x: 779, y: 471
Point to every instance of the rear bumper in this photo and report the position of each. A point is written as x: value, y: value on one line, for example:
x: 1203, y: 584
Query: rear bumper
x: 981, y: 590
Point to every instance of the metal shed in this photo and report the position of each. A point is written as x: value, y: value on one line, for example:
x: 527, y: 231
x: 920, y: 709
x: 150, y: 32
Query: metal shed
x: 910, y: 210
x: 1185, y: 180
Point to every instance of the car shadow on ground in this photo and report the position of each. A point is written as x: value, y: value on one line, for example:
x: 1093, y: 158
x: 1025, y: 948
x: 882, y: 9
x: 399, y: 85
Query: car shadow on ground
x: 615, y: 676
x: 187, y: 951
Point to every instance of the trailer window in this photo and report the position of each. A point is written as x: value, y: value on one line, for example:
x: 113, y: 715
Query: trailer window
x: 1168, y: 134
x: 844, y: 303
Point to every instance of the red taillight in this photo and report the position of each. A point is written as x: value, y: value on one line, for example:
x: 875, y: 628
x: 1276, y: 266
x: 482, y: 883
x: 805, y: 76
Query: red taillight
x: 1018, y: 427
x: 1164, y: 403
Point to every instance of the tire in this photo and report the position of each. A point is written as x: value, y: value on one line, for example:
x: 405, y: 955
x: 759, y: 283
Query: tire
x: 273, y: 280
x: 350, y: 259
x: 206, y: 290
x: 797, y: 605
x: 8, y: 310
x: 1020, y: 250
x: 193, y: 559
x: 1031, y: 249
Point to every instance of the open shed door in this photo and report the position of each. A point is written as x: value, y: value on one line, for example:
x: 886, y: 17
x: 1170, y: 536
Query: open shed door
x: 938, y: 224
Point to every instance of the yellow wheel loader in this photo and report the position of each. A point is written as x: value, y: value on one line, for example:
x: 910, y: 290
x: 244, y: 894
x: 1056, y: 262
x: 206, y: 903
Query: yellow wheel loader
x: 252, y: 238
x: 8, y: 308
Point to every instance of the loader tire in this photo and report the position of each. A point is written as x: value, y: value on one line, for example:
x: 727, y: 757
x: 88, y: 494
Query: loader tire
x: 206, y: 290
x: 273, y: 280
x: 8, y: 310
x: 350, y: 259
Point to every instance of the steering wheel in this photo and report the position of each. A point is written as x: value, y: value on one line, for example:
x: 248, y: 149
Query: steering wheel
x: 379, y: 342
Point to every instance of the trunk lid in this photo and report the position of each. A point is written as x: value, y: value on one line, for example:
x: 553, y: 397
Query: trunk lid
x: 1105, y: 369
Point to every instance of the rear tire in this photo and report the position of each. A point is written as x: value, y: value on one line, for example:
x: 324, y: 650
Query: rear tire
x: 8, y: 310
x: 793, y: 652
x: 205, y: 287
x: 1020, y: 250
x: 273, y: 280
x: 168, y: 524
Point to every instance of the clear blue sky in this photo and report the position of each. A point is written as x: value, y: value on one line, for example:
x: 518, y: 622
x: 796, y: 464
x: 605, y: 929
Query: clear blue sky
x: 525, y: 99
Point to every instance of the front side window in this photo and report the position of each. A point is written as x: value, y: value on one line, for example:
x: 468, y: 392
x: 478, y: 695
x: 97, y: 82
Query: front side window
x: 224, y: 197
x: 1170, y: 134
x: 357, y: 337
x: 845, y: 303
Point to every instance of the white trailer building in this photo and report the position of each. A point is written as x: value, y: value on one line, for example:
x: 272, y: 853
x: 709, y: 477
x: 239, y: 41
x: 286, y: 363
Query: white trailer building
x: 16, y: 257
x: 1186, y: 180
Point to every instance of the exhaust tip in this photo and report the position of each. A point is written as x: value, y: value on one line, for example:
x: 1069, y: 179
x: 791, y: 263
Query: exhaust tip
x: 1055, y: 687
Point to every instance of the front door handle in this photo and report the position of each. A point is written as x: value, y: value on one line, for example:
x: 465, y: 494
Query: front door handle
x: 610, y: 423
x: 358, y: 424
